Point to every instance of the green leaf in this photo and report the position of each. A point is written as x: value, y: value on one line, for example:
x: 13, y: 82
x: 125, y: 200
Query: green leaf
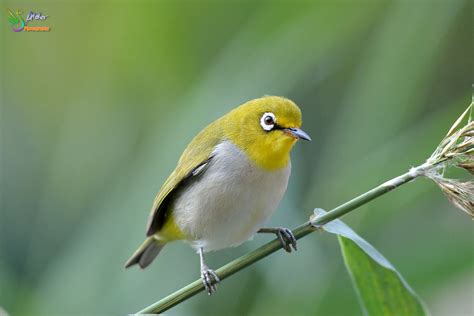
x: 381, y: 288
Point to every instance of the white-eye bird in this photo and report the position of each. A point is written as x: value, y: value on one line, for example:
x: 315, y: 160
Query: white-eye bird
x: 228, y: 182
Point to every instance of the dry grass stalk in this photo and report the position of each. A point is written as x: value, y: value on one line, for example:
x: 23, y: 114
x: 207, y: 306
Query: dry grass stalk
x: 456, y: 149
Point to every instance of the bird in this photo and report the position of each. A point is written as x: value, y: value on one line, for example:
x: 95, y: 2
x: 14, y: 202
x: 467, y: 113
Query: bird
x: 227, y: 183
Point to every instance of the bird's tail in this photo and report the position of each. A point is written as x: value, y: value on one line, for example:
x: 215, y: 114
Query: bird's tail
x: 146, y: 253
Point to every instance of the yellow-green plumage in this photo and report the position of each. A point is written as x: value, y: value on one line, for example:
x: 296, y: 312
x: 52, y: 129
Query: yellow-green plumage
x: 253, y: 156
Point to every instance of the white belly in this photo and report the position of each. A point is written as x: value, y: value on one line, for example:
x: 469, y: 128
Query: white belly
x: 230, y: 201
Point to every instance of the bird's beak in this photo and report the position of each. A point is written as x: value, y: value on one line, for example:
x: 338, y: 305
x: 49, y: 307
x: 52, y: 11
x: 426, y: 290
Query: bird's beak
x: 298, y: 133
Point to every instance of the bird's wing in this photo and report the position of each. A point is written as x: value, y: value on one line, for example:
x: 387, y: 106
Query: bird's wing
x: 192, y: 163
x: 12, y: 17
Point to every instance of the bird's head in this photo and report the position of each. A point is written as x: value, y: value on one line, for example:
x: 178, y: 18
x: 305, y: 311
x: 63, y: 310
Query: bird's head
x: 265, y: 129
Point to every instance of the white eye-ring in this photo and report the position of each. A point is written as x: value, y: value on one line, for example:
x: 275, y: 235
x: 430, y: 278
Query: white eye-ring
x: 268, y: 121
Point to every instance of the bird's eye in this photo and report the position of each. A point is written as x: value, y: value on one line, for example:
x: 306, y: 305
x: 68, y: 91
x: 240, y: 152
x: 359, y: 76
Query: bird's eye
x: 268, y: 121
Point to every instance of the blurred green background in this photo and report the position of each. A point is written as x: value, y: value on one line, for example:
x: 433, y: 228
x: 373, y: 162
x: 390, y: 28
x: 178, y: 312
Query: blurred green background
x: 95, y: 114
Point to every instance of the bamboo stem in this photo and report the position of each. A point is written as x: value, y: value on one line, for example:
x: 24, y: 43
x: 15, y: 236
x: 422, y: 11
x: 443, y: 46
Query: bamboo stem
x: 244, y: 261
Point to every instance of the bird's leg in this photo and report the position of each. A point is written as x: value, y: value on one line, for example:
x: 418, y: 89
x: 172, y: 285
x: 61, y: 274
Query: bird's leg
x: 285, y: 235
x: 208, y: 276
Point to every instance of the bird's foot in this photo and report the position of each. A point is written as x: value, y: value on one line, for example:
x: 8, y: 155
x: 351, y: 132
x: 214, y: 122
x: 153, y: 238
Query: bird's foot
x: 284, y: 235
x: 209, y: 279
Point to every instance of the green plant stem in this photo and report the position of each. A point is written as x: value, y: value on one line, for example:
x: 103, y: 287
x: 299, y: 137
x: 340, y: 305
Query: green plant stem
x: 244, y: 261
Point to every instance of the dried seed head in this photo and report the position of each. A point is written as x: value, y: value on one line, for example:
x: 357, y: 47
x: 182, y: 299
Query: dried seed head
x: 458, y: 142
x: 460, y: 193
x: 456, y: 149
